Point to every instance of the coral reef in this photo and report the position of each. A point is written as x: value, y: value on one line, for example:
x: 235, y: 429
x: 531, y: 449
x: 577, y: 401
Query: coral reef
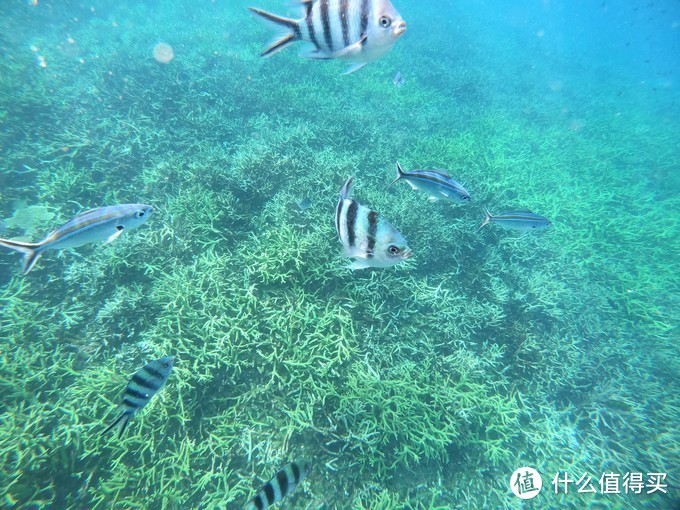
x: 419, y: 387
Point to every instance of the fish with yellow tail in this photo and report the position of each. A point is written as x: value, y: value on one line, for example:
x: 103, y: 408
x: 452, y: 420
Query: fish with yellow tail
x: 103, y: 224
x: 354, y: 31
x: 143, y: 385
x: 366, y: 236
x: 283, y: 483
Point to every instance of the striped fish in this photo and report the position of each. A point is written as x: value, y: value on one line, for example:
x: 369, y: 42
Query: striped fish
x: 103, y: 224
x: 436, y: 183
x: 143, y: 385
x: 517, y: 220
x: 366, y: 236
x: 283, y: 483
x: 355, y: 31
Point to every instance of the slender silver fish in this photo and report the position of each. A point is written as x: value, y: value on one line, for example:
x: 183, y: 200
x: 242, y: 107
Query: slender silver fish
x: 436, y: 183
x: 517, y: 220
x: 355, y: 31
x: 398, y: 80
x: 283, y: 483
x: 366, y: 236
x: 103, y: 224
x: 143, y: 385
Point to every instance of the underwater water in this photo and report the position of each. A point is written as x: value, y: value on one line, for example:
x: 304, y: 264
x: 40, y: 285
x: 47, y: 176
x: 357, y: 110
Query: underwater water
x: 420, y: 386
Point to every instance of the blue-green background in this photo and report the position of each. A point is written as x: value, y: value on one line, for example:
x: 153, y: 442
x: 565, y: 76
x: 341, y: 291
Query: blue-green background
x: 419, y: 387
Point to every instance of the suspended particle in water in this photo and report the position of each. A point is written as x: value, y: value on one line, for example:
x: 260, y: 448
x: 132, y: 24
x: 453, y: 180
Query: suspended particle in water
x: 163, y: 53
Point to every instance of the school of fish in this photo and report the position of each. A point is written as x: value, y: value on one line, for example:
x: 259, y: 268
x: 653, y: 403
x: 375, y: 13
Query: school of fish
x: 353, y: 31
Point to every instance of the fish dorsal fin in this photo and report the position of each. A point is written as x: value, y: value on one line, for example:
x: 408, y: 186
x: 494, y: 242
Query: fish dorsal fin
x: 442, y: 171
x: 524, y: 209
x: 80, y: 215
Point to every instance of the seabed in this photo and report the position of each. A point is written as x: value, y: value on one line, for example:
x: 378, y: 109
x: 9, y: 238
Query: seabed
x: 419, y: 387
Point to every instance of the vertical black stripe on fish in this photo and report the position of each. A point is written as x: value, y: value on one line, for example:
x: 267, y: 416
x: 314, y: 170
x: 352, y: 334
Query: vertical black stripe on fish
x: 351, y: 220
x: 372, y: 233
x: 296, y: 472
x: 338, y: 215
x: 258, y: 502
x: 136, y: 394
x: 365, y: 6
x: 328, y: 36
x: 344, y: 8
x: 282, y: 480
x: 153, y: 372
x: 310, y: 28
x: 132, y: 404
x: 268, y: 491
x: 145, y: 383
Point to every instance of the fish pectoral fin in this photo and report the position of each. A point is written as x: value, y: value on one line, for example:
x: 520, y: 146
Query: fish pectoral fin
x: 358, y: 264
x: 444, y: 194
x: 352, y: 49
x: 433, y: 199
x: 115, y: 235
x: 353, y: 68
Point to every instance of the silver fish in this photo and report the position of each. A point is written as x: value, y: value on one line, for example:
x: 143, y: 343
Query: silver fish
x: 436, y: 183
x: 283, y: 483
x: 103, y: 224
x: 143, y: 385
x: 517, y: 220
x: 366, y: 236
x: 398, y: 80
x: 355, y: 31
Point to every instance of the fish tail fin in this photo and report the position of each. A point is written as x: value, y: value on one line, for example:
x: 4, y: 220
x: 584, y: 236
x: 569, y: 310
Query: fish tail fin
x: 288, y: 31
x: 486, y: 220
x: 400, y: 174
x: 346, y: 190
x: 30, y: 251
x: 124, y: 418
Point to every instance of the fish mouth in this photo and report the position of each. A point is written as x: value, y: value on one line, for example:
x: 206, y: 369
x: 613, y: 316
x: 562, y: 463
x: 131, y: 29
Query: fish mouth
x: 407, y: 254
x: 399, y: 29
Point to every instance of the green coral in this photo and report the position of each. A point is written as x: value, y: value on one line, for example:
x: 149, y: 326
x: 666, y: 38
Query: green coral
x: 418, y: 387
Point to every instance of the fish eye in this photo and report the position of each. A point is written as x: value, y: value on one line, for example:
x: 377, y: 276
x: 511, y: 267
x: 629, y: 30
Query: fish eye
x: 393, y: 249
x: 139, y: 214
x: 385, y: 21
x: 166, y: 364
x: 466, y: 197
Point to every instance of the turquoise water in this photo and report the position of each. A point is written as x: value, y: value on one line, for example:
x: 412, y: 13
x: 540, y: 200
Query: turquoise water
x: 423, y: 386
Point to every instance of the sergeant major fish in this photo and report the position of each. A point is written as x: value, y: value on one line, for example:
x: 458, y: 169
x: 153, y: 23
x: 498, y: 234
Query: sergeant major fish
x: 436, y: 183
x: 103, y: 224
x: 143, y: 385
x: 355, y: 31
x: 517, y: 220
x: 283, y: 483
x: 366, y: 236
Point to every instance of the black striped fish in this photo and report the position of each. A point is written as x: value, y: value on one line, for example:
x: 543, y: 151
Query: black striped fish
x: 356, y: 31
x: 517, y: 220
x: 436, y: 183
x: 366, y: 236
x: 143, y: 385
x: 103, y: 224
x: 283, y: 483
